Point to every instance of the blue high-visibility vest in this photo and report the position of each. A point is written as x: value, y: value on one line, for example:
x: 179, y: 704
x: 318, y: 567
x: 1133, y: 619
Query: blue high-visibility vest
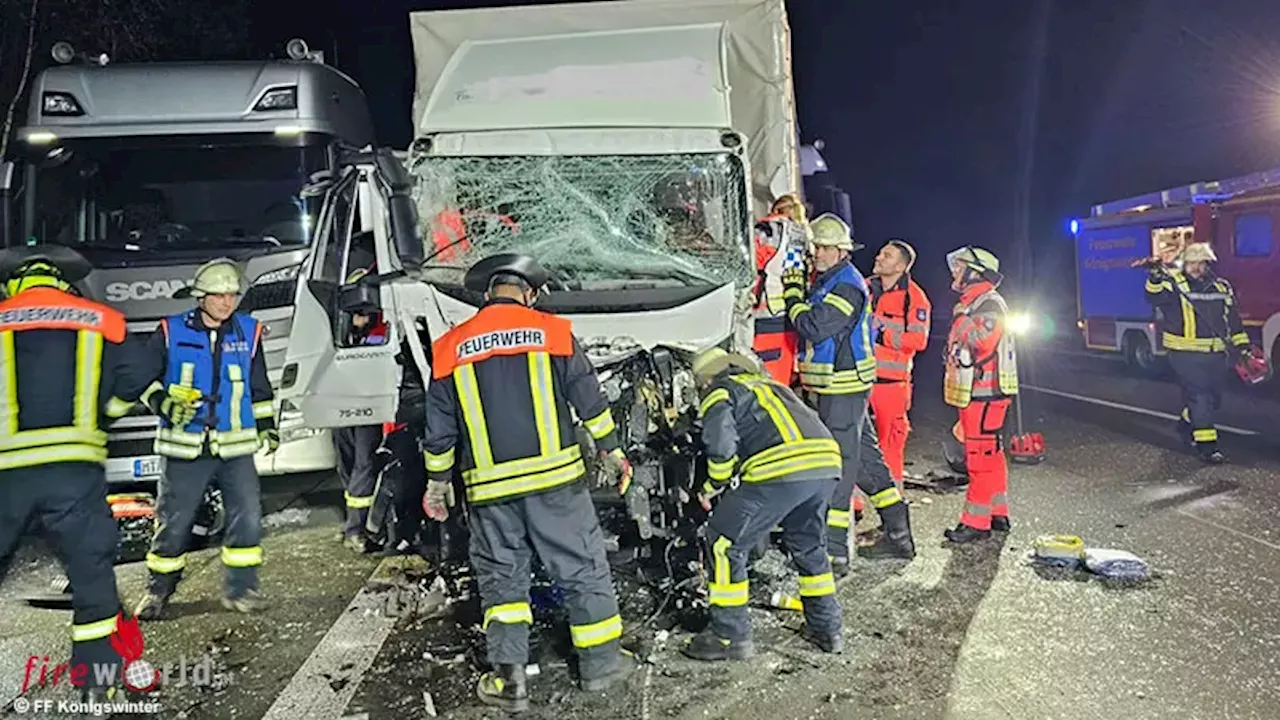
x: 817, y: 362
x: 230, y: 428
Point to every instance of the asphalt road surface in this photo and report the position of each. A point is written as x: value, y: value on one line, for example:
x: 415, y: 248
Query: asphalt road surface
x: 969, y: 633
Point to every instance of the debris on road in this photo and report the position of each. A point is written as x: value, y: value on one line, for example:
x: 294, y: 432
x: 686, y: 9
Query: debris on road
x: 1116, y: 564
x: 286, y: 517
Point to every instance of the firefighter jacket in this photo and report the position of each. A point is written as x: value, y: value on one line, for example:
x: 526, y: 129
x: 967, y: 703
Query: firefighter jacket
x: 900, y: 316
x: 64, y: 376
x: 982, y: 363
x: 757, y: 428
x: 498, y: 405
x: 1195, y: 315
x: 834, y: 324
x: 226, y: 366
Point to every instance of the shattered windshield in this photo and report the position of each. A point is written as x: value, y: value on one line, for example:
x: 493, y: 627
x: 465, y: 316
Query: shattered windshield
x: 594, y: 222
x: 157, y: 196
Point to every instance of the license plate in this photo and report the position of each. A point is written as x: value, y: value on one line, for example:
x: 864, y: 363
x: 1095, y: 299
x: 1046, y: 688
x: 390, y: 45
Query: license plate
x: 146, y: 467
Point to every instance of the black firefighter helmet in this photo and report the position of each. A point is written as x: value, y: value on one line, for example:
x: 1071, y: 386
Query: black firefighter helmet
x: 41, y: 265
x: 480, y: 275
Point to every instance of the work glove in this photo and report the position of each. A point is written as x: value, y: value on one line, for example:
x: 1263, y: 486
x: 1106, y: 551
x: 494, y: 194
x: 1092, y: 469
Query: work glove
x: 793, y: 277
x: 177, y: 411
x: 438, y: 499
x: 710, y: 490
x: 270, y: 438
x: 617, y: 467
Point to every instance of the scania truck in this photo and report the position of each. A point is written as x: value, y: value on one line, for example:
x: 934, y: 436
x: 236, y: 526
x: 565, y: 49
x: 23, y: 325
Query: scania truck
x: 149, y: 170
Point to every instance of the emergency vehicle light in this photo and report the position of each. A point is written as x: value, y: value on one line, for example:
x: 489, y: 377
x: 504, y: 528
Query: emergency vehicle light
x: 1075, y: 226
x: 1019, y: 323
x: 61, y: 104
x: 278, y: 98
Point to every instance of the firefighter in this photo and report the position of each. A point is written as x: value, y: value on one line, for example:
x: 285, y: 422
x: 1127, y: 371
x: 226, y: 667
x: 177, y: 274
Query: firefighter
x: 900, y: 327
x: 780, y: 242
x: 498, y: 409
x: 355, y: 446
x: 837, y: 368
x: 214, y: 401
x: 1198, y: 319
x: 64, y: 376
x: 786, y: 464
x: 981, y: 378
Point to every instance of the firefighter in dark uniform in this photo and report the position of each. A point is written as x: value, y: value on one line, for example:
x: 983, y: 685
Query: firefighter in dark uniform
x: 356, y: 446
x: 498, y: 409
x: 214, y: 401
x: 837, y: 369
x: 1198, y: 318
x: 786, y: 464
x: 63, y: 376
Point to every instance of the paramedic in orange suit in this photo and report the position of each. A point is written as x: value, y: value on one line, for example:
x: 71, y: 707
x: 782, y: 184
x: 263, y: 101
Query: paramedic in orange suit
x: 900, y: 329
x: 775, y: 343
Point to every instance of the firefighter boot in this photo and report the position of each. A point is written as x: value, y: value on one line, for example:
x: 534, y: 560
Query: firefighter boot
x: 250, y: 601
x: 706, y: 645
x: 895, y: 540
x: 1000, y: 523
x: 833, y: 644
x: 152, y: 607
x: 962, y: 534
x: 622, y: 670
x: 505, y: 688
x: 1209, y: 453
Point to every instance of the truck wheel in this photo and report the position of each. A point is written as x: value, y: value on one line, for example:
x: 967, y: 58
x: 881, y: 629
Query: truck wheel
x: 1139, y: 356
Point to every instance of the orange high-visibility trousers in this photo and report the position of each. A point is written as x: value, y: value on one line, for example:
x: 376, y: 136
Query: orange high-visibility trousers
x: 985, y: 460
x: 890, y: 402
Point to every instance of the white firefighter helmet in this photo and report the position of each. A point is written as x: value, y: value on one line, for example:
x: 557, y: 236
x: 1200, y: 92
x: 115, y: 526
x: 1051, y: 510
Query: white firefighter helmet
x: 980, y: 259
x: 712, y: 361
x: 1199, y: 252
x: 830, y: 230
x: 217, y: 277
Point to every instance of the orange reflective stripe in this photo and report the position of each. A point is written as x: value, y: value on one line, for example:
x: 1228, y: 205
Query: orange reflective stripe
x: 503, y: 329
x: 51, y: 309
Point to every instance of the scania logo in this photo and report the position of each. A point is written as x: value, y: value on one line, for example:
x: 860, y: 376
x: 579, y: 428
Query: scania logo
x: 144, y: 289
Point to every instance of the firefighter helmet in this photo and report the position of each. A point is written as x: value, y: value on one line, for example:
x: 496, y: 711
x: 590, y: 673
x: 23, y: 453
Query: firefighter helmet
x: 830, y: 230
x: 1199, y: 252
x: 481, y: 275
x: 713, y: 361
x: 56, y: 266
x: 978, y: 263
x: 217, y: 277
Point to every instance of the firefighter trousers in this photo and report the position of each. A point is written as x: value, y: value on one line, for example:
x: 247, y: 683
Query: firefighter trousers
x: 890, y: 402
x: 561, y: 527
x: 355, y: 447
x: 1203, y: 378
x: 181, y: 493
x: 863, y: 466
x: 69, y: 502
x: 984, y: 458
x: 745, y: 515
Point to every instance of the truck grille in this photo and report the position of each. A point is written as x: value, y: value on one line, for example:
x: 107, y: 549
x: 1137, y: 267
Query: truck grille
x: 129, y: 448
x: 271, y: 295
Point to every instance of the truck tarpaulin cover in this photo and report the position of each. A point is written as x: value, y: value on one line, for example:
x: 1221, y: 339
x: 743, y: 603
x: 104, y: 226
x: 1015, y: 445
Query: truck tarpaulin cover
x: 1109, y: 287
x: 758, y: 63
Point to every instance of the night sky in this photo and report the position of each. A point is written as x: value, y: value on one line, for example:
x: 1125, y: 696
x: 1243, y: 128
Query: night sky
x: 921, y: 107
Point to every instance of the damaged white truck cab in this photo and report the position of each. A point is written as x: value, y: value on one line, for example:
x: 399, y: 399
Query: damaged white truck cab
x: 627, y: 146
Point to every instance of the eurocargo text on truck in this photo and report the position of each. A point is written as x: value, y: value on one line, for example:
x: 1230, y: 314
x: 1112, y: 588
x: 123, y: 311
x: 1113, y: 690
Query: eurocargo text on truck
x: 1238, y: 217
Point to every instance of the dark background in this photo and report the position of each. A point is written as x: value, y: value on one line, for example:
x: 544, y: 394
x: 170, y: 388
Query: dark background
x: 922, y: 104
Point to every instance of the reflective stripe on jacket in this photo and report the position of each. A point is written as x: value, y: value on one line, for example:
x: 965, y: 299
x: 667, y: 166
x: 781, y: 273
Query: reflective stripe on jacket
x: 902, y: 316
x: 982, y: 362
x: 835, y: 326
x: 220, y: 372
x: 59, y: 374
x: 758, y: 429
x: 498, y: 405
x: 1195, y: 315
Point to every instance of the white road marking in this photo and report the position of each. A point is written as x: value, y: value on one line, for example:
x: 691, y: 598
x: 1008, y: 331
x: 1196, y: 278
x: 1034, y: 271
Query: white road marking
x: 1231, y: 530
x: 1131, y: 408
x: 345, y: 653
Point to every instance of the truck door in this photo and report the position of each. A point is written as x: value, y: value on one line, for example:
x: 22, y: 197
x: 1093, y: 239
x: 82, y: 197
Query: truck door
x: 340, y: 367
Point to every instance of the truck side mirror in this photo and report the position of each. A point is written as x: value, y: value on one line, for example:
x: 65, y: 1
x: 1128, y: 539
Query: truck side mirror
x: 360, y: 297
